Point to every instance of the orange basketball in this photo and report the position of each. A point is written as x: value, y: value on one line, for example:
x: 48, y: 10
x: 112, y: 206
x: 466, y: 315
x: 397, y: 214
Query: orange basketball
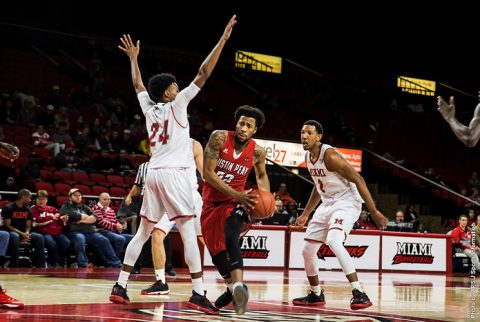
x: 265, y: 206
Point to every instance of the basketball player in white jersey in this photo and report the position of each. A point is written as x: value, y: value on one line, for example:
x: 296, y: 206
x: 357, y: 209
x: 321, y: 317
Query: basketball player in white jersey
x: 163, y: 227
x: 342, y: 191
x: 167, y: 187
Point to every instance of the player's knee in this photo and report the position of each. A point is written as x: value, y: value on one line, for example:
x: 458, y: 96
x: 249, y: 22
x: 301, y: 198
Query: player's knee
x: 308, y: 250
x: 158, y: 236
x: 222, y: 264
x: 335, y: 238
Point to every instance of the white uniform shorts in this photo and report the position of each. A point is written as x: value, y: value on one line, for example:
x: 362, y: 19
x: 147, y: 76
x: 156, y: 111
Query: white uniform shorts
x: 341, y: 214
x: 165, y: 224
x: 167, y: 190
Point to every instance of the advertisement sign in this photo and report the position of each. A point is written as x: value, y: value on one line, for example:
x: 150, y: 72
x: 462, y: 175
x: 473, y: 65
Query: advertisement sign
x: 292, y: 154
x: 363, y: 249
x: 259, y: 248
x: 414, y: 253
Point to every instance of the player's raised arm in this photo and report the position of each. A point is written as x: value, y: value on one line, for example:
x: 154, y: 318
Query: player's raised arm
x: 210, y: 62
x: 133, y: 50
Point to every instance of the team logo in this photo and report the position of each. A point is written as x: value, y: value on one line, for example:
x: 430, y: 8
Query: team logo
x: 225, y: 150
x: 247, y: 159
x: 354, y: 251
x: 413, y: 253
x: 254, y: 247
x: 338, y: 221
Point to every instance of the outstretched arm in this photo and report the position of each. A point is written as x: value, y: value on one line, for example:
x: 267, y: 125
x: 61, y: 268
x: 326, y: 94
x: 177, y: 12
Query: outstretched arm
x: 335, y: 162
x: 467, y: 135
x: 209, y: 63
x: 132, y: 52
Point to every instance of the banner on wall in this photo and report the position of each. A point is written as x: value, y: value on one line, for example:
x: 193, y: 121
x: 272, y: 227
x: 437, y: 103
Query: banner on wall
x: 259, y: 248
x: 364, y: 250
x: 292, y: 154
x: 414, y: 253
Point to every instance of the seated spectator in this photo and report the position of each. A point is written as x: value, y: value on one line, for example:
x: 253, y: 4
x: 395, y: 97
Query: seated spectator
x: 81, y: 229
x: 411, y: 216
x: 103, y: 162
x: 109, y: 226
x: 280, y: 216
x: 9, y: 184
x: 48, y: 222
x: 365, y: 222
x: 42, y: 139
x: 463, y: 235
x: 17, y: 218
x: 292, y: 209
x: 283, y: 194
x: 4, y: 238
x: 399, y: 223
x: 122, y: 165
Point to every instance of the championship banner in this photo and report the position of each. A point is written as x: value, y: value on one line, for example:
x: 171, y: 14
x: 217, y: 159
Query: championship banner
x: 259, y: 247
x: 363, y: 249
x: 414, y: 253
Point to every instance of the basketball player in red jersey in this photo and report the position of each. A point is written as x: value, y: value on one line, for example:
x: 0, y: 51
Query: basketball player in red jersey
x: 228, y: 159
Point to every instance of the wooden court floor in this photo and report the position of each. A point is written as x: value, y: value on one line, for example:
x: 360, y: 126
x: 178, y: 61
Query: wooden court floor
x: 82, y: 295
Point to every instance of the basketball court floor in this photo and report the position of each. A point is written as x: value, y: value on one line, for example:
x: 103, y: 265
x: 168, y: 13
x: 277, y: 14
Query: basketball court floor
x: 82, y: 295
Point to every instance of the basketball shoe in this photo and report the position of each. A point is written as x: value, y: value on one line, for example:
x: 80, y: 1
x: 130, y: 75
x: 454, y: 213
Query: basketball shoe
x: 157, y: 288
x: 359, y: 300
x: 201, y: 303
x: 119, y: 295
x: 7, y: 302
x: 224, y: 299
x: 311, y: 299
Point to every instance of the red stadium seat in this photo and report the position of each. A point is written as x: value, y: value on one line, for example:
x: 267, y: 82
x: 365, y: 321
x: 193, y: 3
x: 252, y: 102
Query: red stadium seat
x: 118, y: 192
x: 97, y: 190
x: 62, y: 189
x: 45, y: 186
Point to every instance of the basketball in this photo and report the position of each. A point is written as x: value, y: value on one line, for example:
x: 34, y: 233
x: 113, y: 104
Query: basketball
x: 265, y: 206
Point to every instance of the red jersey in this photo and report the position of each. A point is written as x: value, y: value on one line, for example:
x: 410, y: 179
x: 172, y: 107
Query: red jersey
x: 233, y: 170
x: 43, y: 215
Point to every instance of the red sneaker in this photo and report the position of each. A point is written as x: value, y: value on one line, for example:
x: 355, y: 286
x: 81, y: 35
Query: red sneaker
x: 7, y: 302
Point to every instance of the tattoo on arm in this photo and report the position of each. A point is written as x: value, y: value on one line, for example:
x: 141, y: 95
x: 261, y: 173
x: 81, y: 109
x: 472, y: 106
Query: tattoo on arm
x: 215, y: 143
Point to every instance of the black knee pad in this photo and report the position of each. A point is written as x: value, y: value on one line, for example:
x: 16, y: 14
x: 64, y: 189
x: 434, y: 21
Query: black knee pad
x: 222, y: 264
x: 232, y: 229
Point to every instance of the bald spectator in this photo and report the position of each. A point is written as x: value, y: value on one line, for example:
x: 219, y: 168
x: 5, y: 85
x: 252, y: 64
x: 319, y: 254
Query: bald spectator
x: 81, y: 230
x: 109, y: 226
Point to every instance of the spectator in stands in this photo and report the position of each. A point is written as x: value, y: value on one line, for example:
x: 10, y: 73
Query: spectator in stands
x: 399, y: 223
x: 126, y: 142
x: 81, y: 229
x: 283, y: 194
x: 411, y: 216
x: 109, y: 226
x: 365, y: 222
x: 83, y: 141
x: 55, y: 97
x: 4, y: 238
x: 122, y: 165
x: 61, y: 136
x: 292, y: 209
x: 103, y: 163
x: 463, y: 235
x: 9, y: 184
x: 69, y: 161
x: 280, y: 216
x: 473, y: 181
x: 467, y: 135
x: 62, y: 117
x: 46, y: 116
x: 48, y: 222
x: 42, y: 139
x: 17, y: 218
x: 435, y: 177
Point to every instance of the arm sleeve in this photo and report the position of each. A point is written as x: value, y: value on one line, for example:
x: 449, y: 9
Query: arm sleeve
x: 67, y: 209
x: 102, y: 221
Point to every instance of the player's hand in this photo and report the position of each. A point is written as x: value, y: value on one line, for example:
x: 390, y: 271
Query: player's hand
x: 128, y: 201
x: 9, y: 151
x: 128, y: 47
x: 247, y: 199
x: 229, y: 27
x: 302, y: 220
x: 379, y: 219
x: 446, y: 109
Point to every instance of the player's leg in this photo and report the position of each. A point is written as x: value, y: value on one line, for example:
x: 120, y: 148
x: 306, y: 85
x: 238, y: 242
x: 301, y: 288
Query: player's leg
x: 232, y: 229
x: 314, y: 237
x: 162, y: 228
x: 340, y: 224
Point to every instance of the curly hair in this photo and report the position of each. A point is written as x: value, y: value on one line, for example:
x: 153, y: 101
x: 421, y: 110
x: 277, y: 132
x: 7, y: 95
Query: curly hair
x: 158, y: 84
x: 252, y: 112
